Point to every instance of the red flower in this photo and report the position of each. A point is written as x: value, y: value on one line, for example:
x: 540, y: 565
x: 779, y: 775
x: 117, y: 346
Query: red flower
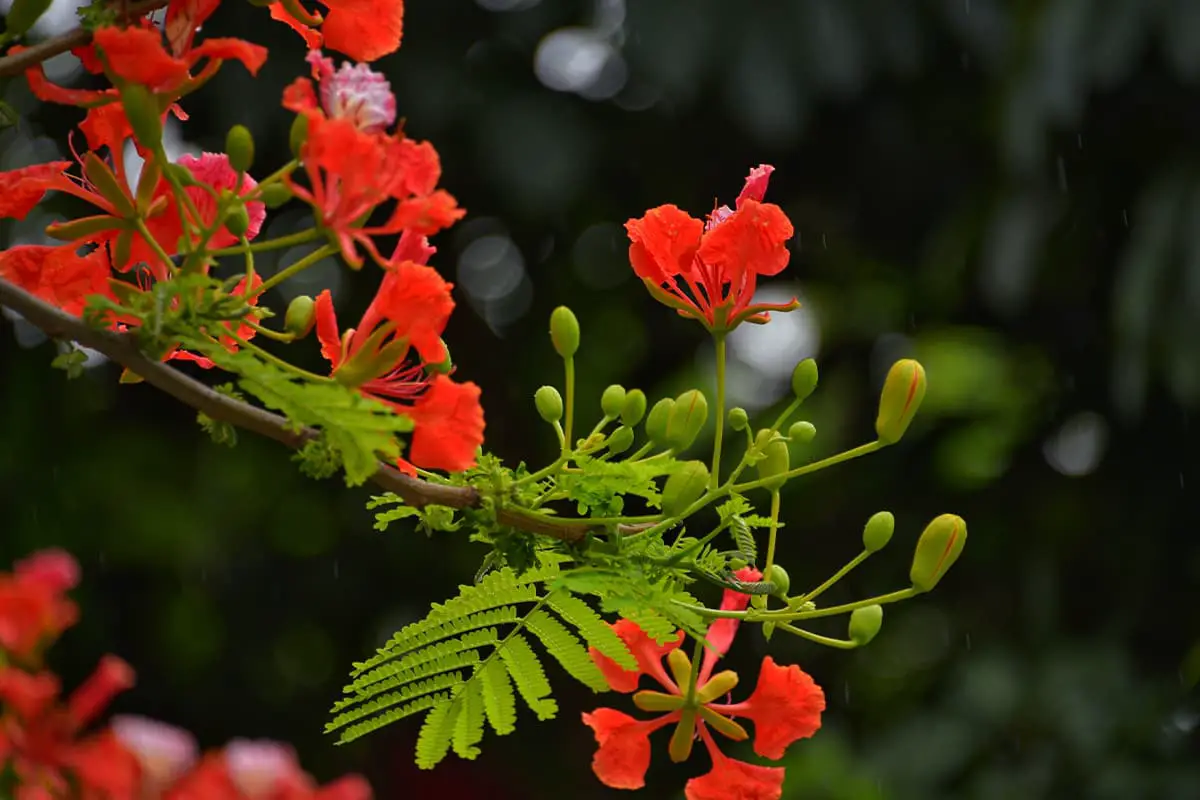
x: 352, y: 170
x: 357, y: 93
x: 136, y: 55
x: 709, y: 271
x: 33, y: 608
x: 362, y: 29
x: 248, y: 770
x: 57, y: 275
x: 410, y: 311
x: 785, y: 706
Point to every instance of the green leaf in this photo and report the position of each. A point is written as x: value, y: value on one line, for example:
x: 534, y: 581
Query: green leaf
x: 70, y: 362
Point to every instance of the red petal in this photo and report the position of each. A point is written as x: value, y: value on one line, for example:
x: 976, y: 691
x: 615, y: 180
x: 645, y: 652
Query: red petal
x: 756, y: 184
x: 663, y: 243
x: 252, y: 56
x: 786, y: 706
x: 56, y: 274
x: 418, y: 301
x: 449, y: 426
x: 364, y: 31
x: 183, y: 18
x: 648, y: 653
x: 351, y: 787
x: 137, y: 55
x: 26, y: 693
x: 720, y: 633
x: 753, y: 239
x: 623, y: 755
x: 104, y: 768
x: 327, y: 329
x: 731, y: 779
x: 111, y: 677
x: 22, y: 189
x: 311, y: 37
x: 300, y: 96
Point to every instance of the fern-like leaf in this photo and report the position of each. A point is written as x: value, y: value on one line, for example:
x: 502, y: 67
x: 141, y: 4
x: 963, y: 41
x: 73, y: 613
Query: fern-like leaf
x: 563, y: 645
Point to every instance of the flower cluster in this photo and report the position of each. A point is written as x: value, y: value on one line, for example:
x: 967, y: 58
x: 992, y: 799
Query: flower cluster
x: 785, y: 706
x: 47, y: 753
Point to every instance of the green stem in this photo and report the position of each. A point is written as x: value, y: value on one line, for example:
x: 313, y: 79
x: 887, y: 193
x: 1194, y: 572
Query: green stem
x: 277, y: 361
x: 841, y: 644
x: 544, y: 472
x: 692, y: 548
x: 774, y: 529
x: 296, y: 268
x: 569, y: 364
x: 276, y: 176
x: 697, y: 658
x: 714, y: 475
x: 861, y: 450
x: 292, y: 239
x: 785, y: 615
x: 787, y: 412
x: 278, y: 336
x: 837, y: 576
x: 832, y: 611
x: 154, y: 245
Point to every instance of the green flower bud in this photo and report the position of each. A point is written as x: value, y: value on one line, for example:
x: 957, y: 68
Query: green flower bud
x: 687, y: 419
x: 549, y: 404
x: 142, y: 111
x: 768, y: 630
x: 613, y: 401
x: 301, y: 316
x: 778, y: 577
x: 902, y: 393
x: 939, y: 547
x: 802, y: 432
x: 239, y: 146
x: 684, y: 487
x: 634, y: 408
x: 804, y: 379
x: 298, y: 134
x: 739, y: 420
x: 656, y: 422
x: 777, y: 459
x: 878, y: 531
x: 275, y: 194
x: 564, y: 331
x: 620, y: 440
x: 865, y: 624
x: 237, y: 220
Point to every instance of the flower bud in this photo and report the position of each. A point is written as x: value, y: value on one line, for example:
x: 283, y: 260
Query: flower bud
x: 902, y: 393
x: 107, y: 185
x: 239, y: 146
x: 778, y: 577
x: 275, y: 194
x: 620, y: 440
x: 939, y: 547
x: 802, y: 432
x: 768, y: 630
x: 634, y: 408
x: 776, y: 461
x: 687, y: 419
x: 564, y: 331
x: 141, y: 109
x: 865, y: 624
x: 804, y: 379
x: 656, y: 422
x: 878, y: 531
x: 549, y: 404
x: 684, y: 487
x: 613, y: 401
x: 237, y: 220
x: 739, y: 420
x: 301, y: 316
x: 298, y: 134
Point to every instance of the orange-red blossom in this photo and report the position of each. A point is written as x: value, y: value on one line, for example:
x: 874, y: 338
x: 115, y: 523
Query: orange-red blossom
x: 785, y: 706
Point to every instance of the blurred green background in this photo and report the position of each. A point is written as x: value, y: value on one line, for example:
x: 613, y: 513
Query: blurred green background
x: 1008, y: 191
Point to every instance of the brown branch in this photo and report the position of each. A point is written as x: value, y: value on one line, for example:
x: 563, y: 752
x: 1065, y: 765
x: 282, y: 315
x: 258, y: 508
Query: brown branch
x: 123, y: 350
x: 16, y: 63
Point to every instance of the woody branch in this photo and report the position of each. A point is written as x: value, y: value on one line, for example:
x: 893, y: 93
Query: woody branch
x: 16, y: 63
x: 123, y: 350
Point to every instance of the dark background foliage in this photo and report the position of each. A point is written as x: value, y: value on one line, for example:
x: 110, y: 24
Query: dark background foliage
x: 1008, y: 191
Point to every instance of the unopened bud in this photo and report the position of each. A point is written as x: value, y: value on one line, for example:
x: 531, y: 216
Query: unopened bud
x: 275, y: 194
x: 776, y: 460
x: 298, y: 134
x: 656, y: 421
x: 107, y: 185
x: 902, y: 393
x: 865, y: 624
x: 687, y: 419
x: 141, y: 109
x: 301, y: 316
x: 804, y: 379
x: 564, y: 331
x: 620, y: 440
x: 237, y: 220
x: 239, y: 146
x: 939, y: 547
x: 878, y: 531
x: 613, y: 401
x: 549, y: 404
x: 634, y: 408
x: 684, y: 487
x: 739, y: 420
x: 768, y: 630
x: 802, y: 432
x: 778, y: 577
